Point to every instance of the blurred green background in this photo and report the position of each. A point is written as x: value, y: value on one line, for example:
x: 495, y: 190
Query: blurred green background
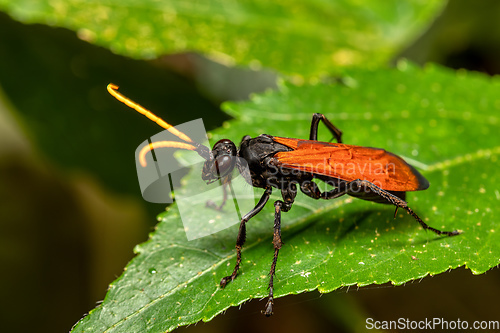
x: 70, y: 206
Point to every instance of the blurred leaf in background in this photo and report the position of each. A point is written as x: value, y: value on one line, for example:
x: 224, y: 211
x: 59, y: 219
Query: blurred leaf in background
x: 310, y: 38
x: 70, y: 211
x: 465, y: 36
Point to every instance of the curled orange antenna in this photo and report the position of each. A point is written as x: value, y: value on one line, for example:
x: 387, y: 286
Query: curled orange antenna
x: 162, y: 144
x: 112, y: 89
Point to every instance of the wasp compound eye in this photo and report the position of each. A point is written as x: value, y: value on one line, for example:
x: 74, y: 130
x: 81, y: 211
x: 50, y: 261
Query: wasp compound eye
x: 224, y: 165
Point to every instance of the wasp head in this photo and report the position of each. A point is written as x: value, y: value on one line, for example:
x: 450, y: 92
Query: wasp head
x: 222, y: 161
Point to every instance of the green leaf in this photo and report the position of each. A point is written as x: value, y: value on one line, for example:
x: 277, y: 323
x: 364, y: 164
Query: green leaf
x: 446, y: 123
x: 310, y: 38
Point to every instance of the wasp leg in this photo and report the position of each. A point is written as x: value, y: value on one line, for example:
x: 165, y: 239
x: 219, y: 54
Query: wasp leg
x: 312, y: 190
x: 278, y: 205
x: 314, y: 127
x: 288, y: 193
x: 359, y: 185
x: 240, y: 240
x: 213, y: 205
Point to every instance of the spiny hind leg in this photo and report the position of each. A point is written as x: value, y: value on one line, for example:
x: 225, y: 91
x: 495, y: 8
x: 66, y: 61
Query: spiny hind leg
x: 360, y: 185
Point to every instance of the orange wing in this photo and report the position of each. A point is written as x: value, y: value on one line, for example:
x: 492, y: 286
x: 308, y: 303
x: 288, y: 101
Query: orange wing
x: 347, y: 162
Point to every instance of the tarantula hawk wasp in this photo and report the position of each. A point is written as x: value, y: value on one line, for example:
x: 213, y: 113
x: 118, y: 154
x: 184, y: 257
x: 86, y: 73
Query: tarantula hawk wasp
x: 289, y: 164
